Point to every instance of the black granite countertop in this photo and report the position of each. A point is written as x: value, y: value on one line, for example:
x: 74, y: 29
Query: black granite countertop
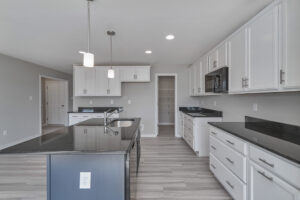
x: 200, y: 112
x: 281, y: 139
x: 87, y: 137
x: 96, y: 109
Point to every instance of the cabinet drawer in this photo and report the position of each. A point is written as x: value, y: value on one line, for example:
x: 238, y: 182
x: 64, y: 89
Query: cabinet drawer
x: 230, y: 140
x: 281, y: 167
x: 235, y: 187
x: 233, y: 160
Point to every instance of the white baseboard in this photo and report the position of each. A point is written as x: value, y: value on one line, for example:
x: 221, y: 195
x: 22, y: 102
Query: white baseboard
x: 165, y: 124
x: 18, y: 141
x: 147, y: 135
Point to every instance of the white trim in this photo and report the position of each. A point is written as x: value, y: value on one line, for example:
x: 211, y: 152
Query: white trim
x: 18, y: 141
x: 40, y: 99
x: 157, y: 75
x: 165, y: 124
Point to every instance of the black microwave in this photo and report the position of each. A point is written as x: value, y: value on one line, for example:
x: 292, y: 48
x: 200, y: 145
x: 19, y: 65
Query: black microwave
x: 217, y: 81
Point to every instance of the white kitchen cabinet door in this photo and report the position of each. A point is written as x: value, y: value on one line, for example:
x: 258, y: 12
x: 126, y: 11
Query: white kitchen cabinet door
x: 191, y: 81
x: 114, y: 85
x: 102, y: 85
x: 84, y: 81
x: 263, y: 52
x: 142, y: 74
x: 135, y: 73
x: 204, y: 71
x: 223, y: 55
x: 237, y: 46
x: 264, y: 185
x: 291, y: 44
x: 197, y: 78
x: 106, y: 86
x: 213, y: 60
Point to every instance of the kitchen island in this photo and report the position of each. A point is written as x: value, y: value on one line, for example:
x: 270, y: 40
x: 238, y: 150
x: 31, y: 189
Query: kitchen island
x: 89, y: 160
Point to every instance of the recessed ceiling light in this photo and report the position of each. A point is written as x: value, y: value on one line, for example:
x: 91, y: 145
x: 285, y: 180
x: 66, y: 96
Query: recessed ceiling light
x: 170, y: 37
x: 148, y: 52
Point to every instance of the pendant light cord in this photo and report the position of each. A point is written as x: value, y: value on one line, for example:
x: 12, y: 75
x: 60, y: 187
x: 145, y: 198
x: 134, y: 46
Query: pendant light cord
x: 111, y: 52
x: 89, y: 25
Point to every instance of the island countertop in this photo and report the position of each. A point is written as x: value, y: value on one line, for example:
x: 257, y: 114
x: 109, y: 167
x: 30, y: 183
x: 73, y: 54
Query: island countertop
x: 88, y: 137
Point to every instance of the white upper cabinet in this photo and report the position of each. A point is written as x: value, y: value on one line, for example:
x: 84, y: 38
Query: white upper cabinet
x: 237, y: 61
x: 290, y: 69
x: 191, y: 81
x: 84, y: 81
x: 263, y: 51
x: 94, y: 81
x: 106, y: 86
x: 204, y: 71
x: 135, y: 73
x: 197, y: 78
x: 223, y: 55
x: 213, y: 60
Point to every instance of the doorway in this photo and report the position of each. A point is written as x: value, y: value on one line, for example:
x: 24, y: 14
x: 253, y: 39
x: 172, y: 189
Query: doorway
x: 166, y: 100
x: 54, y: 104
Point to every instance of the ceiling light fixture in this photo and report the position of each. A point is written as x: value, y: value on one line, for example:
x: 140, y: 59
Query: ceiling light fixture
x: 88, y: 58
x: 148, y: 52
x: 111, y: 71
x: 170, y: 37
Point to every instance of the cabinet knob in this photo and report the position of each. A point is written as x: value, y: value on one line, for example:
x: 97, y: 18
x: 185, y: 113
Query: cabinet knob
x: 135, y: 76
x: 215, y: 64
x: 282, y: 73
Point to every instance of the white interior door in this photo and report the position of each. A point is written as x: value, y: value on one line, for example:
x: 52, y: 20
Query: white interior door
x: 56, y: 102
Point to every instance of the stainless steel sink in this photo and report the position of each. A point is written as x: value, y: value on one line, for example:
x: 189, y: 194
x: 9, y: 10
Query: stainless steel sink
x: 121, y: 123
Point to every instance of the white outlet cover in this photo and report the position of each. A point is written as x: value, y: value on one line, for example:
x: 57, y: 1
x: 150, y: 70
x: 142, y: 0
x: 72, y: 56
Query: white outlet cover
x: 255, y: 107
x: 112, y: 102
x: 4, y: 132
x: 215, y: 103
x: 85, y: 180
x: 129, y: 102
x: 30, y: 98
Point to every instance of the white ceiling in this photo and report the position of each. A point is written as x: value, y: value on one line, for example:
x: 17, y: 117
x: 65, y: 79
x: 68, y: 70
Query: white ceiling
x: 51, y: 32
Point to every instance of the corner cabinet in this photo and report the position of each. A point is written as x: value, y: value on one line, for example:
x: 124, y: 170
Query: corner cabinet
x: 94, y: 81
x: 135, y: 73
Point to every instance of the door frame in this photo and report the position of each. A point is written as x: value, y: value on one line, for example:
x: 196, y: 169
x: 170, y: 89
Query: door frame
x: 40, y: 99
x: 157, y: 75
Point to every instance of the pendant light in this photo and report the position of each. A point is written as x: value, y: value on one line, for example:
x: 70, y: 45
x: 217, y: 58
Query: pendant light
x: 111, y: 71
x: 88, y: 58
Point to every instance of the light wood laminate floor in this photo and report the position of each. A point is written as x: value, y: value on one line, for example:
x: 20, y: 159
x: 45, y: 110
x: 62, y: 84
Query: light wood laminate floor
x: 169, y: 170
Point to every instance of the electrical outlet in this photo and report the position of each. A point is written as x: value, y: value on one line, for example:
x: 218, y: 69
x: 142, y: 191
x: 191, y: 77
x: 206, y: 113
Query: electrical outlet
x: 5, y: 133
x: 91, y: 102
x: 215, y: 103
x: 129, y: 101
x: 112, y: 102
x: 85, y: 180
x: 30, y: 98
x: 142, y: 126
x: 255, y: 107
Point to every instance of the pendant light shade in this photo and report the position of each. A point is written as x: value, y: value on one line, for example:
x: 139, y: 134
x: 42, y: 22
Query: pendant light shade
x: 111, y: 71
x: 88, y: 58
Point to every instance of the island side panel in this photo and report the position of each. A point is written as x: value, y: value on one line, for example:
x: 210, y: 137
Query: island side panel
x: 107, y: 177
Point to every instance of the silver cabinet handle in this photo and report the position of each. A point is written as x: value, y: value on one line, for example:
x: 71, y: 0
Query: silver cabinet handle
x: 246, y: 83
x: 135, y: 76
x: 264, y: 175
x: 266, y: 162
x: 199, y: 90
x: 108, y: 91
x: 229, y: 160
x: 213, y: 166
x: 243, y: 82
x: 214, y: 148
x: 229, y: 142
x: 228, y: 183
x: 84, y: 91
x: 215, y: 64
x: 282, y: 73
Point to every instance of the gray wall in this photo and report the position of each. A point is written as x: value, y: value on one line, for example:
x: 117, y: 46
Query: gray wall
x: 18, y: 114
x: 281, y: 107
x: 142, y: 97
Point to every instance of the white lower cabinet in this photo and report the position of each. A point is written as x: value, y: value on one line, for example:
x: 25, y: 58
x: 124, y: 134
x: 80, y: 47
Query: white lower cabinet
x: 264, y: 185
x: 196, y: 132
x: 256, y: 174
